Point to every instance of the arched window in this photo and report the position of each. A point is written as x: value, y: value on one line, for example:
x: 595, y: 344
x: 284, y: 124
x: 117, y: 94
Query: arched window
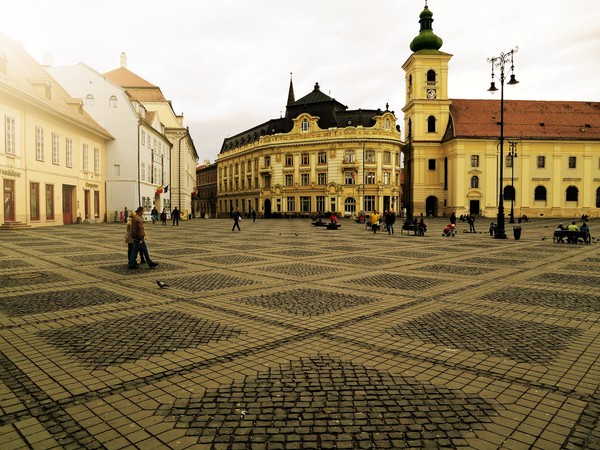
x: 430, y: 76
x: 112, y: 101
x: 540, y: 193
x: 410, y: 82
x: 572, y: 194
x: 509, y: 193
x: 431, y: 124
x: 305, y: 125
x: 89, y: 100
x: 475, y: 182
x: 387, y: 124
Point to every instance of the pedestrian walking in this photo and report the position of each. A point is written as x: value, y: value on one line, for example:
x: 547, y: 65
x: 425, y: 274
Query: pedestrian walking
x: 471, y: 220
x: 175, y: 216
x: 236, y: 216
x: 138, y: 238
x: 374, y: 222
x: 253, y: 215
x: 163, y: 216
x: 390, y: 219
x: 129, y: 241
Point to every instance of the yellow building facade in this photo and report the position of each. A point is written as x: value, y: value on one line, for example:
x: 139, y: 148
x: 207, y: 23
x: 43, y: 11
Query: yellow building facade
x: 52, y: 154
x: 551, y: 151
x: 321, y: 157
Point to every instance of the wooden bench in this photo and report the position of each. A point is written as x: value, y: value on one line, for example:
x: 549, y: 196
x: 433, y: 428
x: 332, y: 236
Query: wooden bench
x: 572, y: 237
x: 409, y: 228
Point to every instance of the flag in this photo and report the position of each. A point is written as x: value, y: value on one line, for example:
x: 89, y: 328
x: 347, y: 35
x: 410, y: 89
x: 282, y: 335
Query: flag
x: 159, y: 190
x: 166, y: 188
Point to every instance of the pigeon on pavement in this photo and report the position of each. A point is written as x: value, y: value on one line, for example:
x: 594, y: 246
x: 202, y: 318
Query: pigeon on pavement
x: 161, y: 284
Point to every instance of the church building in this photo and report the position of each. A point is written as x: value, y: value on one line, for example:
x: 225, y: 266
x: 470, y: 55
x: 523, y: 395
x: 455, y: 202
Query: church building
x: 551, y: 149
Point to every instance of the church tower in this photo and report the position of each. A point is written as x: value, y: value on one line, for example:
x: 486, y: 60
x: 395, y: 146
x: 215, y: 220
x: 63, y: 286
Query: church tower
x: 426, y: 115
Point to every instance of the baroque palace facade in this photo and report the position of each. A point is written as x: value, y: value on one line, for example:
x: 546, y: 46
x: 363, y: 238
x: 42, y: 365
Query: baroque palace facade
x: 321, y: 157
x: 451, y: 152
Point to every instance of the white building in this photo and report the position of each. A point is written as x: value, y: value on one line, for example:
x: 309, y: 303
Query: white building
x: 182, y: 182
x: 138, y: 162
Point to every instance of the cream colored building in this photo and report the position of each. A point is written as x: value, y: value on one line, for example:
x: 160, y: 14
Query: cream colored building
x: 320, y: 157
x: 452, y: 146
x: 52, y: 153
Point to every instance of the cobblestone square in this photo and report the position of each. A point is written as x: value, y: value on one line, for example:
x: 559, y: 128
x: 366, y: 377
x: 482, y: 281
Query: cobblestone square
x: 288, y: 336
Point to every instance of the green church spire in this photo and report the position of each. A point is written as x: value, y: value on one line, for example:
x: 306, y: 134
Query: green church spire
x: 426, y: 40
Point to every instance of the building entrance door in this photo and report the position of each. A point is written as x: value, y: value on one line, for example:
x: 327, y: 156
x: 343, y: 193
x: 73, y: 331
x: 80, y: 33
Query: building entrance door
x: 67, y: 204
x: 474, y: 207
x: 9, y: 201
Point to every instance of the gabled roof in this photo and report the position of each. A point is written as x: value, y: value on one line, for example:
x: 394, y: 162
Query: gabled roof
x: 126, y: 78
x: 138, y: 88
x: 524, y: 119
x: 20, y: 75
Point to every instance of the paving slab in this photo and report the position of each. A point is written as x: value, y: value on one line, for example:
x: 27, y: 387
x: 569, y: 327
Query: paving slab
x: 288, y: 336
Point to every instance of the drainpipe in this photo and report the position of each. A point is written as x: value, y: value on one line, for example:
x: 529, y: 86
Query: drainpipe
x: 187, y: 132
x: 139, y: 185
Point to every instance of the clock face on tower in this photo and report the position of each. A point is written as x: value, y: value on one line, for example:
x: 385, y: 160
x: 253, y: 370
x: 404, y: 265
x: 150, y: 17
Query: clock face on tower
x: 431, y: 93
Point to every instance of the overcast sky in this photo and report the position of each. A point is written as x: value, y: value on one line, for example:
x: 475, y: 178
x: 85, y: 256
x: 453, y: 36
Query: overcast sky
x: 226, y: 64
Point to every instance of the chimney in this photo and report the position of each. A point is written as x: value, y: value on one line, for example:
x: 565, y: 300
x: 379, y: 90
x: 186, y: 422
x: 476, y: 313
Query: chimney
x: 123, y: 60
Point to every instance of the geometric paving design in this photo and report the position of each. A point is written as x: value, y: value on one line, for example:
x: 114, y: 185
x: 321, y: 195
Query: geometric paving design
x: 322, y: 402
x: 362, y: 260
x: 302, y: 270
x: 37, y: 303
x: 128, y: 339
x: 562, y: 278
x: 233, y: 259
x: 307, y: 302
x: 209, y: 282
x: 518, y: 340
x: 29, y: 279
x: 457, y: 269
x: 550, y: 299
x: 96, y: 258
x: 13, y: 264
x: 493, y: 261
x: 300, y: 253
x: 393, y: 281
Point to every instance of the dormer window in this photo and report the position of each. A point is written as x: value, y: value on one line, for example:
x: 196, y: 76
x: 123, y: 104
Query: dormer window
x: 305, y: 125
x: 112, y: 101
x: 387, y: 124
x: 89, y: 100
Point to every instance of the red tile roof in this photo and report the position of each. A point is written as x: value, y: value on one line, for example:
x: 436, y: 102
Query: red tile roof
x: 525, y: 119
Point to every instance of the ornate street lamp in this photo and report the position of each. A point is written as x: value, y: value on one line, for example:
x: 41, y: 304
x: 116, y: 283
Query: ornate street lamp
x: 500, y: 61
x: 512, y: 153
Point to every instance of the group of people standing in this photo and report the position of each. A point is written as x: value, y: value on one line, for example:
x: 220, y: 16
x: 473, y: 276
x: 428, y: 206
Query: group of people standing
x: 175, y: 215
x: 389, y: 219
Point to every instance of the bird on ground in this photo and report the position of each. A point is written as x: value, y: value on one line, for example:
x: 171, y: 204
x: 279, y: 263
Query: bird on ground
x: 161, y: 284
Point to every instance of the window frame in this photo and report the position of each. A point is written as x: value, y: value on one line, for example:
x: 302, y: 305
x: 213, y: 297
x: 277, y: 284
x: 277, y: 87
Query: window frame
x: 10, y: 135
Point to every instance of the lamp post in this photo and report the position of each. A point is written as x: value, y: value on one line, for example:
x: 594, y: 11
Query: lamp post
x: 500, y: 62
x: 512, y: 152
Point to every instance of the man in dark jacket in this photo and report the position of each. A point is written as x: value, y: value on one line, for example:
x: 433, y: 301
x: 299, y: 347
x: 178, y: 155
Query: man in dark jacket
x: 138, y: 238
x: 236, y: 220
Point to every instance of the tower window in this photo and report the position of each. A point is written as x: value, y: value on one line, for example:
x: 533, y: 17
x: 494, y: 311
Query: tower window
x: 431, y: 124
x: 431, y: 77
x: 431, y: 164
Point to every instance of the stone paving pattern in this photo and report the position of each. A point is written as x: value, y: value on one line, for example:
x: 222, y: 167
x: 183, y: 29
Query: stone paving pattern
x: 287, y: 336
